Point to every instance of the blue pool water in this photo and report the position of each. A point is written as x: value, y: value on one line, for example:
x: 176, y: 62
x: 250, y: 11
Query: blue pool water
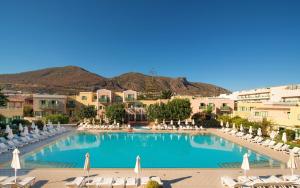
x: 119, y: 150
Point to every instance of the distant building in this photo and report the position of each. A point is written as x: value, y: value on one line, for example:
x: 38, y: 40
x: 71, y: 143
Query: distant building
x: 279, y: 104
x: 13, y: 109
x: 44, y: 104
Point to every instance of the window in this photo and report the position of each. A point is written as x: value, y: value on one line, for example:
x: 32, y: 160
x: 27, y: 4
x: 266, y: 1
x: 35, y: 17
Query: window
x: 95, y: 98
x: 84, y: 98
x: 43, y: 102
x: 256, y: 113
x: 264, y: 114
x: 288, y: 115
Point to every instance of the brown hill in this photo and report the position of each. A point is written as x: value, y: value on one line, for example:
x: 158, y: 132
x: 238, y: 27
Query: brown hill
x: 71, y: 79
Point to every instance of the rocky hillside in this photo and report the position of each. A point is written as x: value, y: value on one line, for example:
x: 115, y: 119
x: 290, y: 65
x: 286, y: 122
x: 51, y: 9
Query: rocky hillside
x: 71, y: 79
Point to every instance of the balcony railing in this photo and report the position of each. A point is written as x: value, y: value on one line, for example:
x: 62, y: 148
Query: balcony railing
x: 129, y: 99
x: 71, y: 105
x: 202, y: 107
x: 49, y: 106
x: 225, y: 108
x: 103, y: 100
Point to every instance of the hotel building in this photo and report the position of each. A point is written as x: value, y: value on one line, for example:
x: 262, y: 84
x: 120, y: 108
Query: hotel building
x: 279, y: 104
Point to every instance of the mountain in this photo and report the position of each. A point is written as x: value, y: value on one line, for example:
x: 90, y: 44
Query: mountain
x: 71, y: 79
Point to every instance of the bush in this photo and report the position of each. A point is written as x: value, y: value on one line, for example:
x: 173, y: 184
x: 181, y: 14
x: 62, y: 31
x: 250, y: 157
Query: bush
x: 39, y: 124
x: 290, y: 135
x: 22, y: 121
x: 152, y: 184
x: 55, y: 118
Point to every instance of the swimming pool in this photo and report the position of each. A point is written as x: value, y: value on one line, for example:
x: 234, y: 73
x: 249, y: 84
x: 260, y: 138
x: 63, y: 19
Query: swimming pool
x: 157, y: 150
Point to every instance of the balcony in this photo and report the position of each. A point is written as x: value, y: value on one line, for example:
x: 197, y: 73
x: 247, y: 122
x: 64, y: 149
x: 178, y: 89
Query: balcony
x: 129, y: 99
x: 71, y: 105
x: 104, y: 100
x: 49, y: 106
x: 225, y: 108
x: 202, y: 107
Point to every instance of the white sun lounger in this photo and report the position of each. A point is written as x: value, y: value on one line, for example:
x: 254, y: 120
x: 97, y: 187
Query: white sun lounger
x: 295, y: 150
x: 77, y: 182
x: 10, y: 182
x: 277, y: 146
x: 94, y: 182
x: 118, y: 182
x: 157, y: 179
x: 2, y: 178
x: 259, y: 140
x: 272, y: 143
x: 3, y: 148
x: 131, y: 182
x: 285, y: 147
x: 106, y: 182
x: 144, y: 181
x: 265, y: 143
x: 229, y: 182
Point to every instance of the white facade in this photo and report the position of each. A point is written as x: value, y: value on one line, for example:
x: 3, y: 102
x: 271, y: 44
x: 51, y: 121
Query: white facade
x: 277, y: 94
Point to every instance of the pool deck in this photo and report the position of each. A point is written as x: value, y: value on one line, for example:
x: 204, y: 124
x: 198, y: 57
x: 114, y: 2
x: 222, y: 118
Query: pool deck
x: 175, y: 178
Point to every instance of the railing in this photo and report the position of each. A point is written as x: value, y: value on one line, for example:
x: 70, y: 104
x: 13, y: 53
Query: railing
x: 129, y: 99
x: 103, y: 100
x: 225, y: 108
x: 51, y: 106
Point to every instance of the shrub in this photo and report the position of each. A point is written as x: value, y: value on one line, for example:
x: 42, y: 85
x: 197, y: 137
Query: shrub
x: 152, y: 184
x: 55, y: 118
x: 39, y: 124
x: 290, y: 135
x: 22, y: 121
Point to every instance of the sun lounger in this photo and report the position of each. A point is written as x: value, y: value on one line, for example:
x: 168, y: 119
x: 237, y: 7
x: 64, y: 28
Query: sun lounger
x: 2, y: 178
x: 259, y: 140
x: 277, y: 146
x: 26, y: 182
x: 118, y: 182
x: 131, y: 182
x: 266, y: 142
x: 10, y: 182
x: 295, y: 150
x: 291, y: 177
x: 4, y: 148
x: 144, y: 181
x: 106, y: 182
x: 270, y: 144
x: 94, y: 182
x: 229, y: 182
x: 77, y: 182
x: 11, y: 144
x: 285, y: 147
x: 157, y: 179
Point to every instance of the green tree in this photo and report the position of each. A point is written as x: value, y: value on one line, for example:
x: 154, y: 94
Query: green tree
x: 166, y: 94
x: 87, y: 112
x: 179, y: 109
x: 3, y: 99
x: 115, y: 112
x: 157, y: 111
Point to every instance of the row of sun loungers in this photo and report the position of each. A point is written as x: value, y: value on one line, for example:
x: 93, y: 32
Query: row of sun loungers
x: 261, y: 181
x: 263, y: 142
x: 21, y: 141
x: 101, y: 127
x: 10, y: 181
x: 109, y: 182
x: 173, y: 127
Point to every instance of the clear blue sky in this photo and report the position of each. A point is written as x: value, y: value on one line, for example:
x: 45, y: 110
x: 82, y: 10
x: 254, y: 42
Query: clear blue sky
x: 235, y: 44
